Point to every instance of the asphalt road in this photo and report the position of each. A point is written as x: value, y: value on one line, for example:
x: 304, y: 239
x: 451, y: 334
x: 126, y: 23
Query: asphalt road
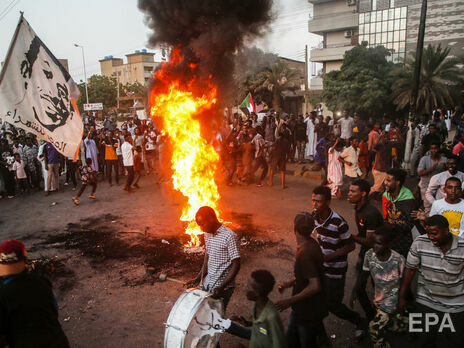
x: 108, y: 300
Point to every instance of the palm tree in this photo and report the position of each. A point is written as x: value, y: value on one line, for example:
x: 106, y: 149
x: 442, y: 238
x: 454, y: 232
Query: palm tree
x: 277, y: 78
x: 439, y: 76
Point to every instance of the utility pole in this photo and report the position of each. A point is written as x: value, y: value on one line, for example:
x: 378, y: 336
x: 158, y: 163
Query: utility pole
x: 85, y: 73
x: 416, y: 80
x: 117, y: 89
x: 306, y: 91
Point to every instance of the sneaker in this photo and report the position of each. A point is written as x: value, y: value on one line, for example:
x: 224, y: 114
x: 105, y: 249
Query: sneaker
x: 136, y: 186
x: 92, y: 196
x: 76, y: 200
x: 66, y: 184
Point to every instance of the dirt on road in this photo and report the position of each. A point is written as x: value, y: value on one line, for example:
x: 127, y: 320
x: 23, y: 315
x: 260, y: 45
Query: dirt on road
x: 104, y: 256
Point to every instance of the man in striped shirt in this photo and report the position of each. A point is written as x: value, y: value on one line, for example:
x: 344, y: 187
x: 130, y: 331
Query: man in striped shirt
x: 336, y: 243
x: 438, y: 256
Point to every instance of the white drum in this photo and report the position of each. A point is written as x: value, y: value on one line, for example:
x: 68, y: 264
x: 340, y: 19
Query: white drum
x: 195, y: 321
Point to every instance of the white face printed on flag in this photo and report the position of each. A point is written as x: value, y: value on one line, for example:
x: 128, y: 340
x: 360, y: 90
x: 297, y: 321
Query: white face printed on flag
x: 37, y: 93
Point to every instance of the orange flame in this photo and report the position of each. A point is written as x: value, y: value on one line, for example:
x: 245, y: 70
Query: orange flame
x: 193, y: 160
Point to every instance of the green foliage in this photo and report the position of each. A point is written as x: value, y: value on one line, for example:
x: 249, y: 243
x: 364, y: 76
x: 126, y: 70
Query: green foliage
x: 249, y: 61
x: 441, y: 81
x: 102, y: 89
x: 271, y: 81
x: 135, y: 89
x: 362, y: 84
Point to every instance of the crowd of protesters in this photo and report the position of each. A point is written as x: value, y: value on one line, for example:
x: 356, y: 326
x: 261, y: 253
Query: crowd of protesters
x: 417, y: 234
x: 395, y: 247
x: 106, y: 153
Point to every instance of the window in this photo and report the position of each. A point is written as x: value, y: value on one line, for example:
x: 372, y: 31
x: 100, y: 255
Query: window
x: 386, y: 28
x: 374, y: 5
x: 392, y: 3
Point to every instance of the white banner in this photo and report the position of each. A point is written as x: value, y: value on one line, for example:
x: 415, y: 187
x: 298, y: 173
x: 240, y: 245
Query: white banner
x: 93, y: 106
x: 141, y: 114
x: 37, y: 94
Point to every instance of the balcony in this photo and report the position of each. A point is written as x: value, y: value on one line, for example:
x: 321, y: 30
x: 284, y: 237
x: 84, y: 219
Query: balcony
x: 333, y: 22
x: 329, y: 53
x: 315, y: 83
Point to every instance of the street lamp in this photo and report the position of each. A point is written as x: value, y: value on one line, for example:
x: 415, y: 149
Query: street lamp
x: 85, y: 73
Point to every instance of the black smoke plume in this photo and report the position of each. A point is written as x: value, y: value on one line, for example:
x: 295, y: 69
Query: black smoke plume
x: 208, y: 33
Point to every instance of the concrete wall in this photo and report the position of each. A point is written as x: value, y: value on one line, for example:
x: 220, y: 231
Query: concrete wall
x: 444, y: 24
x: 140, y: 68
x: 329, y: 66
x: 337, y: 38
x: 332, y: 7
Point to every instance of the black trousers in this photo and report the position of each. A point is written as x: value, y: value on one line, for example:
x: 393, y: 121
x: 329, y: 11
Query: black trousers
x: 84, y: 186
x: 130, y: 175
x: 433, y: 338
x: 110, y: 164
x: 304, y: 333
x: 71, y: 172
x: 336, y: 290
x: 260, y: 162
x: 10, y: 183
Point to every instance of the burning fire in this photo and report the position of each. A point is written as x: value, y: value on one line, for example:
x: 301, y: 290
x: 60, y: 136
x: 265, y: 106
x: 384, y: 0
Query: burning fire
x: 193, y: 160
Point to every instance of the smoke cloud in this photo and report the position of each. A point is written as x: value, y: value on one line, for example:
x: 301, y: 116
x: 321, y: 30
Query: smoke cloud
x: 207, y: 32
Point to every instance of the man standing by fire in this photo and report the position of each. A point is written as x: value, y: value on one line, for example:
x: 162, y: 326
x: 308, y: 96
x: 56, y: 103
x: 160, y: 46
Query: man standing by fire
x: 222, y: 256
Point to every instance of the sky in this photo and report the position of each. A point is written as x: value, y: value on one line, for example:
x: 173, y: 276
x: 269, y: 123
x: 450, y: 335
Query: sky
x: 117, y: 27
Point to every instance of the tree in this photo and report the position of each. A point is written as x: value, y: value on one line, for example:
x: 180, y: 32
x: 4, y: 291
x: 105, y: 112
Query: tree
x: 249, y: 61
x: 275, y: 79
x: 102, y: 89
x: 134, y: 89
x: 362, y: 84
x: 439, y: 79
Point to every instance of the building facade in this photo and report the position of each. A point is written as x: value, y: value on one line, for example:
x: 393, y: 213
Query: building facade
x: 337, y: 22
x: 395, y: 24
x: 391, y: 23
x: 140, y: 67
x: 293, y: 101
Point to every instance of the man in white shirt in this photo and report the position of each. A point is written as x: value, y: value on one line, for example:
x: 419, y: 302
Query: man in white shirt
x: 346, y: 127
x: 437, y: 182
x: 452, y: 206
x: 128, y: 161
x: 20, y: 173
x: 349, y: 157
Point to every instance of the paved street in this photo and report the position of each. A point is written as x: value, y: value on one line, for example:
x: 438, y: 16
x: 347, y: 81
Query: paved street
x: 99, y: 270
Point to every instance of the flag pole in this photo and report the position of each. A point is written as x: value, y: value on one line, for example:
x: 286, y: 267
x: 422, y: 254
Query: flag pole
x: 10, y: 49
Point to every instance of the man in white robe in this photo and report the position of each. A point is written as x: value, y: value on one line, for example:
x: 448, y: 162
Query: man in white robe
x: 312, y: 141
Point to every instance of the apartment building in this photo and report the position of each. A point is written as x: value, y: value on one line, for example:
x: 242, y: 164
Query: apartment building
x: 337, y: 22
x: 391, y: 23
x: 139, y: 67
x: 395, y: 24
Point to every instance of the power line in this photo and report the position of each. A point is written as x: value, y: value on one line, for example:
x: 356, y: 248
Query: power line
x: 10, y: 6
x: 7, y: 6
